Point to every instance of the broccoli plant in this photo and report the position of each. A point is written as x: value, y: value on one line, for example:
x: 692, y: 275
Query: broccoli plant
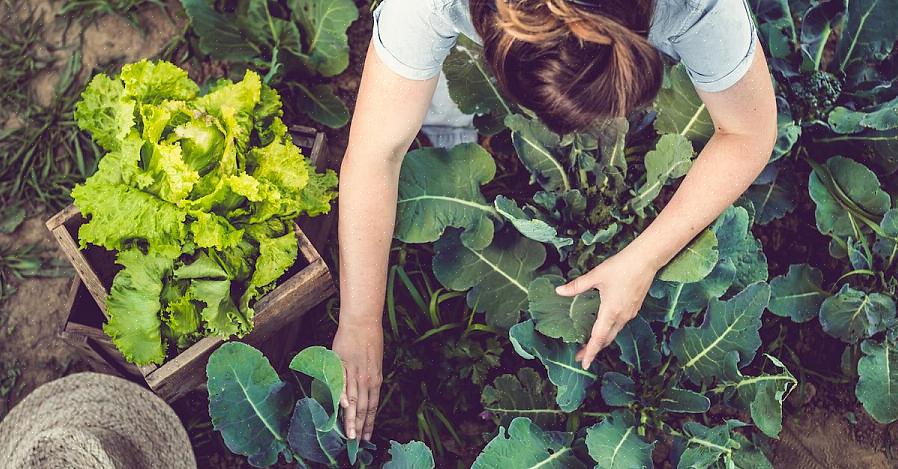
x: 298, y: 44
x: 696, y: 341
x: 839, y: 127
x: 257, y: 416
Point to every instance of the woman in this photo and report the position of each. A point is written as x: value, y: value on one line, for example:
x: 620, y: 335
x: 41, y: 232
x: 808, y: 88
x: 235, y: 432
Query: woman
x: 573, y: 62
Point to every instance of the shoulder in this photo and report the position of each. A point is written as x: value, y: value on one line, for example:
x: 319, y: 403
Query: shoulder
x: 413, y: 37
x: 673, y: 18
x: 713, y: 39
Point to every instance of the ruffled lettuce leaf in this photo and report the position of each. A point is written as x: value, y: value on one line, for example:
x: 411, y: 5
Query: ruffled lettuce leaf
x: 213, y: 231
x: 119, y: 214
x: 134, y: 304
x: 153, y: 82
x: 105, y: 112
x: 220, y: 316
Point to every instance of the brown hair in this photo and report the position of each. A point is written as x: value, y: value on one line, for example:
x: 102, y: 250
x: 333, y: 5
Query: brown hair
x: 572, y: 65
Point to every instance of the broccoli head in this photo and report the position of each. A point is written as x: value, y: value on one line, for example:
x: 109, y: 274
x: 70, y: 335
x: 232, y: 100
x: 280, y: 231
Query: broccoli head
x: 813, y: 95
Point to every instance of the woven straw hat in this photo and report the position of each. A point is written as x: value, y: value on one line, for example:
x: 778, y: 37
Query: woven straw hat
x: 93, y: 421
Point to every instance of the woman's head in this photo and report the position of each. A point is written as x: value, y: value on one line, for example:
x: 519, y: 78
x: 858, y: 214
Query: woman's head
x: 570, y: 64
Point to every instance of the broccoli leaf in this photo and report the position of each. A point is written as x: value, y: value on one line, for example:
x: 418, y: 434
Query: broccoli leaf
x: 525, y: 394
x: 506, y: 265
x: 440, y: 188
x: 728, y: 335
x: 411, y: 455
x: 527, y: 446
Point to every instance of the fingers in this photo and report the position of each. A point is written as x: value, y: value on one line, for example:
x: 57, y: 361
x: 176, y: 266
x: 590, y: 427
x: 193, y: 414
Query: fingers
x: 599, y: 338
x: 362, y: 409
x: 352, y: 400
x: 344, y: 402
x: 373, y: 400
x: 576, y: 286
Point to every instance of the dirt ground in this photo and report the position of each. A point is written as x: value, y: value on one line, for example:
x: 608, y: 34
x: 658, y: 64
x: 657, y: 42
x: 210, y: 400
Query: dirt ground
x: 829, y: 431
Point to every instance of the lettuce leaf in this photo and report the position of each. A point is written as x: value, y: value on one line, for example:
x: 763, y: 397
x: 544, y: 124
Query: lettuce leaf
x: 104, y: 111
x: 153, y: 82
x: 120, y: 214
x: 133, y: 306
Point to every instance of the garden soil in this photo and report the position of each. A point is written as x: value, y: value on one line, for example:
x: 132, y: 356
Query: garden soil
x: 828, y: 430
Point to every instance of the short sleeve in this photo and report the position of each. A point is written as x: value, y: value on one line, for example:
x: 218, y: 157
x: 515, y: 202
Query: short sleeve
x: 413, y: 37
x: 717, y: 43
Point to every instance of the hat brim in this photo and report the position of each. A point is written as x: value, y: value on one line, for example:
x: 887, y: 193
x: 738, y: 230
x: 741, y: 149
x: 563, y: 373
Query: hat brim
x: 91, y: 400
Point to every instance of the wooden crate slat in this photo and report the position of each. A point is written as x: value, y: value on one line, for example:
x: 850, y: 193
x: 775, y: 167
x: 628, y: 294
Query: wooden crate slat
x: 79, y: 262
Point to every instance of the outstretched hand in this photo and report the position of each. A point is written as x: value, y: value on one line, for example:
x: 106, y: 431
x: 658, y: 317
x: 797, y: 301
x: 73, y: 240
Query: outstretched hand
x: 622, y: 281
x: 361, y: 348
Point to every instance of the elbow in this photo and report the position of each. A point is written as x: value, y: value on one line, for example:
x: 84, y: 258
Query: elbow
x: 372, y: 158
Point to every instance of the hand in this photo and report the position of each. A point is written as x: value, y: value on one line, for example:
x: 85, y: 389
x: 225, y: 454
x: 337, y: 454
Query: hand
x: 622, y: 281
x: 361, y: 348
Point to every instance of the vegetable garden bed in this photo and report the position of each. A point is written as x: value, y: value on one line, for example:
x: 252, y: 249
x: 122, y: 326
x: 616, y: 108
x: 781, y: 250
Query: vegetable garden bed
x: 304, y: 285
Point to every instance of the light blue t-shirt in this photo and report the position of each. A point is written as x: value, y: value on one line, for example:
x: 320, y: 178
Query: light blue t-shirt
x: 713, y: 39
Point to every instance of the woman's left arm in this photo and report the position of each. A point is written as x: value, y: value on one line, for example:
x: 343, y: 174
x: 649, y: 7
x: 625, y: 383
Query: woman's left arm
x: 744, y: 117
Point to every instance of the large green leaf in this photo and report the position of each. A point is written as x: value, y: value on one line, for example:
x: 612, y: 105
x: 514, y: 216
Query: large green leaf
x: 694, y: 262
x: 538, y: 148
x: 320, y: 103
x: 667, y: 302
x: 816, y: 27
x: 847, y: 121
x: 762, y: 395
x: 306, y: 440
x: 497, y: 276
x: 526, y: 446
x: 248, y: 403
x: 775, y: 26
x: 869, y: 31
x: 471, y: 86
x: 133, y: 306
x: 325, y: 366
x: 852, y: 315
x: 681, y: 111
x: 877, y: 385
x: 562, y: 317
x: 618, y: 390
x: 886, y: 246
x: 440, y: 188
x: 798, y: 294
x: 846, y: 193
x: 615, y: 444
x: 612, y: 140
x: 558, y: 357
x: 638, y: 345
x: 738, y: 247
x: 728, y: 335
x: 411, y: 455
x: 671, y: 159
x: 720, y: 446
x: 246, y: 37
x: 773, y: 194
x: 324, y: 24
x: 530, y: 226
x: 523, y: 395
x: 685, y: 401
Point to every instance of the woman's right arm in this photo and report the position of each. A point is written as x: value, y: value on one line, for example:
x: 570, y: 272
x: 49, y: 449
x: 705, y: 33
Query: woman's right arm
x: 388, y: 113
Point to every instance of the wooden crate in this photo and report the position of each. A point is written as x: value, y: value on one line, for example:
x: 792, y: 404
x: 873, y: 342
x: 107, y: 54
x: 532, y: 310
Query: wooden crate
x: 277, y: 317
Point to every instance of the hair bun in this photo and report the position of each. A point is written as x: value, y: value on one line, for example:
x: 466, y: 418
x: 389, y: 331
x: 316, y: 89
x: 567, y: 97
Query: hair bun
x: 571, y: 64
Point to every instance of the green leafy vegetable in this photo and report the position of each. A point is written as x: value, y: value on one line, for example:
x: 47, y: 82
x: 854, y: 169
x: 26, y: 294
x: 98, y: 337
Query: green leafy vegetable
x: 183, y: 195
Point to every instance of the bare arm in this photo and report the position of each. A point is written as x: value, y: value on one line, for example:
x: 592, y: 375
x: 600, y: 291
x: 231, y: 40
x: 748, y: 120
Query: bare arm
x: 744, y: 117
x: 388, y: 113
